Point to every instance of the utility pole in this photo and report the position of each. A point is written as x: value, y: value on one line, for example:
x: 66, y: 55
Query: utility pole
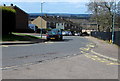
x: 41, y: 17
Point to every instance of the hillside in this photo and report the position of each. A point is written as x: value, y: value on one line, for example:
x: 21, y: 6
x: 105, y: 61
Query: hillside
x: 64, y: 15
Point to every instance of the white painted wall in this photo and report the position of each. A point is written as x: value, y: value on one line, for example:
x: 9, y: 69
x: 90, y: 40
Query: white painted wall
x: 60, y: 25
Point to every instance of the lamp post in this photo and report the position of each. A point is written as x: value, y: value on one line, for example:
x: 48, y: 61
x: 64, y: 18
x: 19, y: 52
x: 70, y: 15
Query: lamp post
x: 113, y: 24
x: 41, y: 17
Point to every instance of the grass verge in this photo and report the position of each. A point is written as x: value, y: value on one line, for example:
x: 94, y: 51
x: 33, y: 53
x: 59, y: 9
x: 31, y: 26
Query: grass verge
x: 18, y: 37
x: 21, y: 34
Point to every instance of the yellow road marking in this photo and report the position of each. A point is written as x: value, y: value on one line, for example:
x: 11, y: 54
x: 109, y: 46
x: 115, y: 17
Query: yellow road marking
x: 113, y: 64
x: 3, y: 46
x: 96, y: 56
x: 85, y: 49
x: 102, y: 61
x: 93, y: 59
x: 104, y: 56
x: 49, y: 42
x: 12, y: 45
x: 19, y: 45
x: 87, y: 56
x: 82, y: 51
x: 90, y: 46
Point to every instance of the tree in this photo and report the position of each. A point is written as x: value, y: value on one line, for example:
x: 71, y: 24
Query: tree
x: 118, y: 14
x: 102, y: 14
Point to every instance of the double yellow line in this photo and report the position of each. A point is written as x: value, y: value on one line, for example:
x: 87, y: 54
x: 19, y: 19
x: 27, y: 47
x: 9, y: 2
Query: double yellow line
x: 89, y: 53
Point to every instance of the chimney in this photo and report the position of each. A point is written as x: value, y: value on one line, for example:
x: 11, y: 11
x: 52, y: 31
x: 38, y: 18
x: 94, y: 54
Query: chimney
x: 61, y: 17
x: 53, y: 16
x: 45, y: 15
x: 4, y: 4
x: 11, y: 4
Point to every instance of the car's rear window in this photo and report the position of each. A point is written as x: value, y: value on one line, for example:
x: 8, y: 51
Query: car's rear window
x: 52, y: 33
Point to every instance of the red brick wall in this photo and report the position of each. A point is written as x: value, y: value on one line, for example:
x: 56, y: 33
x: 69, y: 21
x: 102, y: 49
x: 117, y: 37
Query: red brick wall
x: 21, y: 20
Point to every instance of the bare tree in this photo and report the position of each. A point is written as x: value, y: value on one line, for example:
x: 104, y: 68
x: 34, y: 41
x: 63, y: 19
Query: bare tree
x: 118, y: 14
x: 102, y: 13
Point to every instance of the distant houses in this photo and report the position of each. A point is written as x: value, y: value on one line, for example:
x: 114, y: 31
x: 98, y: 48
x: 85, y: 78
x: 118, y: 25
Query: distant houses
x: 50, y: 22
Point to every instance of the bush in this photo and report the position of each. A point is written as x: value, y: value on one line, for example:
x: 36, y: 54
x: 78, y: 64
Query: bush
x: 8, y: 20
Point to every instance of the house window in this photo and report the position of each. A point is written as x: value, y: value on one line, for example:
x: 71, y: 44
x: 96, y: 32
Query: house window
x: 54, y: 23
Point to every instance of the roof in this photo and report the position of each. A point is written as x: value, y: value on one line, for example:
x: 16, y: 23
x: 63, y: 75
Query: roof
x: 53, y: 19
x: 56, y: 19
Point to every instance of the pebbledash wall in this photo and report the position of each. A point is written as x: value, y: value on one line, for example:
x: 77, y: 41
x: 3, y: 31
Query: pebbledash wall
x: 107, y: 36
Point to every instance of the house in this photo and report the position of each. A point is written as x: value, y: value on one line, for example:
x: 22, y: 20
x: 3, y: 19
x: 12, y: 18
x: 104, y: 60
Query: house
x: 61, y: 23
x: 69, y: 25
x: 21, y: 19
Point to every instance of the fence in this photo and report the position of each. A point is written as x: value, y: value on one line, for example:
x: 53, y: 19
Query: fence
x: 107, y: 36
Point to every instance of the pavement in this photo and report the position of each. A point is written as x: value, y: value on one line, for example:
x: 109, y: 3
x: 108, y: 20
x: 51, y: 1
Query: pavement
x: 98, y: 63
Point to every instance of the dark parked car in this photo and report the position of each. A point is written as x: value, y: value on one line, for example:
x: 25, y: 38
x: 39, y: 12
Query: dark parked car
x: 66, y: 33
x: 33, y: 27
x: 54, y: 34
x: 84, y: 34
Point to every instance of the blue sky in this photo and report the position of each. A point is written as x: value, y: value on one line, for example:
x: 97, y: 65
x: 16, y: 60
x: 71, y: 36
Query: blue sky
x: 52, y: 7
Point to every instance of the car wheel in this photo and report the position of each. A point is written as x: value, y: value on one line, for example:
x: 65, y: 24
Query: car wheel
x: 61, y: 38
x: 48, y: 39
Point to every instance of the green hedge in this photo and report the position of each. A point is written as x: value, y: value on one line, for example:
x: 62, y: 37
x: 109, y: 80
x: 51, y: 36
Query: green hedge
x: 8, y: 20
x: 7, y: 9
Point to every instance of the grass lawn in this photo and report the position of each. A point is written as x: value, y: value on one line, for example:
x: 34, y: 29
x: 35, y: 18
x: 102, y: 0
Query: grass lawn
x: 18, y: 37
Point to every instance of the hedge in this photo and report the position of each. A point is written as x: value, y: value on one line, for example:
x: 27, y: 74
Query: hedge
x: 8, y: 20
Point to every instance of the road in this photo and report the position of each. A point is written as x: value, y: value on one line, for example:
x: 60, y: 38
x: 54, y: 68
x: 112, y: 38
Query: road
x: 14, y: 55
x: 72, y: 58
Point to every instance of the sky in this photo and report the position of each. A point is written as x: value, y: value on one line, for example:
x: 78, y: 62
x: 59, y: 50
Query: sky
x: 52, y: 6
x: 77, y: 7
